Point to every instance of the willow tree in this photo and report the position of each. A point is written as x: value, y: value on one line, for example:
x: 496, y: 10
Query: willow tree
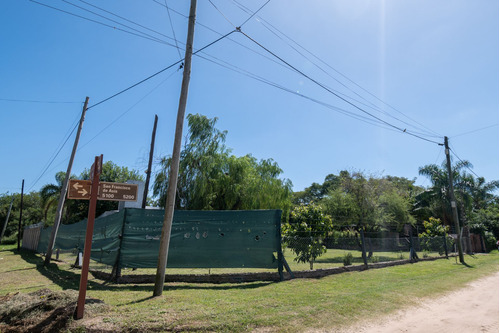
x: 211, y: 178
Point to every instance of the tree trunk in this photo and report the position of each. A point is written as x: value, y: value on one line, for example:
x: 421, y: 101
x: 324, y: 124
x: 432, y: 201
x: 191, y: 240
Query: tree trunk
x: 311, y: 264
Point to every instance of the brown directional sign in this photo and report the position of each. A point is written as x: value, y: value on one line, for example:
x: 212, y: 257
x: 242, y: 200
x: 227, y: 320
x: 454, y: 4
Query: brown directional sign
x: 80, y: 190
x: 117, y: 192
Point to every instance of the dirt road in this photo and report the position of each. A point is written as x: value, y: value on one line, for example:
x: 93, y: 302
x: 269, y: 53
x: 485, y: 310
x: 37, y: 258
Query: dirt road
x: 471, y: 309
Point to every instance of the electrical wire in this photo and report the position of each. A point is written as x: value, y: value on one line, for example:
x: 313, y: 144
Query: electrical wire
x: 103, y: 24
x: 130, y: 21
x: 473, y: 131
x: 276, y: 32
x: 36, y: 101
x: 220, y: 12
x: 159, y: 72
x: 52, y: 159
x: 273, y: 84
x: 255, y: 13
x: 114, y: 21
x: 463, y: 162
x: 128, y: 110
x: 333, y: 93
x: 173, y: 31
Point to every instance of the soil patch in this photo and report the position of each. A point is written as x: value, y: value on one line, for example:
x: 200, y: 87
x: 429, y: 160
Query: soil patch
x: 471, y: 309
x: 41, y: 311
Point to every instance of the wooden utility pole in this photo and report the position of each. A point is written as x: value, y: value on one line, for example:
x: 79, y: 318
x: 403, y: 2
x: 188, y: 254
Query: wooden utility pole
x: 453, y: 201
x: 150, y: 163
x: 62, y: 196
x: 6, y: 220
x: 94, y: 175
x: 20, y: 219
x: 174, y: 167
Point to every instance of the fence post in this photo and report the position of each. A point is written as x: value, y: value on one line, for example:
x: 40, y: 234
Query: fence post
x: 413, y: 253
x: 363, y: 247
x: 280, y: 250
x: 445, y: 244
x: 117, y: 270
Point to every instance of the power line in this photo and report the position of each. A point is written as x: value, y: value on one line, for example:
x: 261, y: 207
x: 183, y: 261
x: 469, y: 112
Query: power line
x: 129, y: 109
x: 142, y: 35
x: 463, y: 163
x: 157, y: 73
x: 173, y: 31
x: 52, y: 159
x: 258, y: 10
x: 220, y: 12
x: 333, y: 93
x: 276, y: 32
x: 36, y: 101
x: 114, y: 21
x: 476, y: 130
x: 130, y: 21
x: 273, y: 84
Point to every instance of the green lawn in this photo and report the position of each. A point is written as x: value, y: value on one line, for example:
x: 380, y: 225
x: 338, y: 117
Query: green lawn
x: 290, y: 306
x: 332, y: 258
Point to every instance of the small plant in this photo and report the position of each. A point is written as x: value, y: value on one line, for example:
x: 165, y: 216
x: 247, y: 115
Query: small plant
x: 347, y: 260
x: 425, y: 254
x: 374, y: 259
x: 401, y: 255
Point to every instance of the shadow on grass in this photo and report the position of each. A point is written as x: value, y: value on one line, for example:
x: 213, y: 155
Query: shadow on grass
x: 70, y: 279
x: 355, y: 260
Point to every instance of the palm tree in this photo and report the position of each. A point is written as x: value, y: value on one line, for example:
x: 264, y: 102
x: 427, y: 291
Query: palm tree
x: 435, y: 200
x: 50, y: 193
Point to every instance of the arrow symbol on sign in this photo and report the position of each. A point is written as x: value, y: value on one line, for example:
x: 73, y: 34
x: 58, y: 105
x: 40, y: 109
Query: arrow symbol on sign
x: 83, y: 192
x: 77, y: 186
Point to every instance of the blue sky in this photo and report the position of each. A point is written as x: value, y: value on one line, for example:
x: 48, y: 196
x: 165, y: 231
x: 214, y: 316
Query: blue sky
x: 435, y: 64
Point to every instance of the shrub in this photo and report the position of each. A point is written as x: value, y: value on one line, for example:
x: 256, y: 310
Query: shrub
x: 374, y: 259
x: 347, y: 260
x: 490, y: 240
x: 306, y: 231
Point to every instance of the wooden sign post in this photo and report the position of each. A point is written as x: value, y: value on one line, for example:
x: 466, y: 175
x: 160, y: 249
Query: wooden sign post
x: 96, y: 167
x: 94, y: 190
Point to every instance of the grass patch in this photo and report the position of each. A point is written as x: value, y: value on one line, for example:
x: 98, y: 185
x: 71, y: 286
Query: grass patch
x: 290, y: 306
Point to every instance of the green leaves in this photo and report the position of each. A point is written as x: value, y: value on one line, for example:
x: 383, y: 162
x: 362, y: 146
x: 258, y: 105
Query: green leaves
x: 211, y: 178
x: 304, y: 233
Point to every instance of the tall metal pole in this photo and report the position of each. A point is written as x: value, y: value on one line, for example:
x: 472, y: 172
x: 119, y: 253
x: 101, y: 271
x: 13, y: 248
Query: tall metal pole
x: 174, y: 167
x: 6, y: 220
x: 453, y: 201
x: 20, y: 219
x: 62, y: 196
x: 150, y: 163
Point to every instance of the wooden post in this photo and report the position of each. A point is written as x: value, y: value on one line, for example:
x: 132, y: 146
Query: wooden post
x: 6, y: 219
x: 453, y: 201
x: 20, y: 219
x: 363, y: 248
x: 413, y: 252
x: 116, y: 272
x: 150, y: 163
x: 88, y: 238
x: 445, y: 243
x: 174, y: 167
x: 64, y: 188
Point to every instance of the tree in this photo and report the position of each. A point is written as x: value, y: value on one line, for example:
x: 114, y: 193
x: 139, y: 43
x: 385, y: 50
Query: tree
x: 50, y: 194
x: 210, y: 178
x: 432, y: 237
x: 316, y: 192
x: 32, y: 212
x: 472, y: 194
x: 306, y: 231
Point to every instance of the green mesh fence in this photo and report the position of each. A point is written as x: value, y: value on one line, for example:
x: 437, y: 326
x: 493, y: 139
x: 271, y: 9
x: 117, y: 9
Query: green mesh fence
x: 199, y: 239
